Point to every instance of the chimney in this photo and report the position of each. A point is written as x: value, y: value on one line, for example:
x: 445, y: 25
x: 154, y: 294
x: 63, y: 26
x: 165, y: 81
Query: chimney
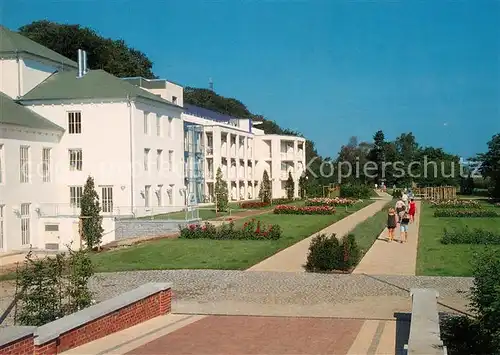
x: 80, y: 63
x: 85, y: 68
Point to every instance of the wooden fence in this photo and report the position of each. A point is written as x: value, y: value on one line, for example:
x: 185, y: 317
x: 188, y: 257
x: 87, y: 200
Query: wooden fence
x: 436, y: 193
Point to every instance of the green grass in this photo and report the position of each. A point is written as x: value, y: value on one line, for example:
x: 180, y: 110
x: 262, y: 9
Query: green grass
x: 436, y: 259
x: 367, y: 232
x: 217, y: 254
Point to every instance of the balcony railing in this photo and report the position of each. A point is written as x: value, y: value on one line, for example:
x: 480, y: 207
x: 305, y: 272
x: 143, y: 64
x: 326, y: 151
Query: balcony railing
x: 287, y: 156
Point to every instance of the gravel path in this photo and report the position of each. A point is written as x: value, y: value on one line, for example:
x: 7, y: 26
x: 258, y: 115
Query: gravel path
x: 283, y: 293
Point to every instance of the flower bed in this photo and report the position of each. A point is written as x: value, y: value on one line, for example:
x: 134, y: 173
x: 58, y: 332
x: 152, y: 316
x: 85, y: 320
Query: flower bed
x: 465, y: 213
x: 456, y: 204
x: 468, y: 236
x: 254, y: 204
x: 324, y: 201
x: 251, y: 230
x: 282, y: 209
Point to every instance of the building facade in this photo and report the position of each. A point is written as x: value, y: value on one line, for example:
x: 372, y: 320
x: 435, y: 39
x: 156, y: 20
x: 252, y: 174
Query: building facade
x: 147, y: 151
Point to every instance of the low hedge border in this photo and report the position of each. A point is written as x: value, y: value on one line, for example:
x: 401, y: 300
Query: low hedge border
x: 251, y: 230
x: 470, y: 236
x: 472, y: 213
x: 308, y: 210
x: 465, y: 204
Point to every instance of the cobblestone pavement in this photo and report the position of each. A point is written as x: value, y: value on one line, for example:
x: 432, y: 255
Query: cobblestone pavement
x: 287, y: 294
x: 281, y: 293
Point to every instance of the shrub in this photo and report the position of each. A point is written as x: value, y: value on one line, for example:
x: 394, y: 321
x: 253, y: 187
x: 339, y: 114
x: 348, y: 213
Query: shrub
x: 356, y: 191
x: 467, y: 236
x: 465, y: 213
x: 53, y: 287
x: 265, y: 192
x: 456, y: 204
x: 481, y: 334
x: 282, y: 201
x: 253, y: 204
x: 324, y: 201
x: 326, y: 253
x: 251, y: 230
x: 221, y: 192
x: 283, y: 209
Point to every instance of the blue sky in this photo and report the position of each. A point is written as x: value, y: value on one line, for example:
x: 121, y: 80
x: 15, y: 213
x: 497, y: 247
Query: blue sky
x: 330, y: 69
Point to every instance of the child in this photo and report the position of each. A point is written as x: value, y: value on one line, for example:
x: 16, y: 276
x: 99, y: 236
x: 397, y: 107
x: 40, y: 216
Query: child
x: 404, y: 221
x: 392, y: 222
x: 412, y: 210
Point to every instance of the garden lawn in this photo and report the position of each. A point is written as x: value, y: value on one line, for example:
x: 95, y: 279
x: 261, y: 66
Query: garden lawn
x: 217, y: 254
x: 436, y: 259
x: 367, y: 232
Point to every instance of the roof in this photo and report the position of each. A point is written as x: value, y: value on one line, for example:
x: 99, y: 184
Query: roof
x: 95, y: 84
x: 12, y: 42
x: 13, y: 113
x: 208, y: 114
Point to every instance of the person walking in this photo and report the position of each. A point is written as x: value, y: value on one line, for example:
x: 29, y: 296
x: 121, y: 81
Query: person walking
x: 412, y: 210
x: 392, y: 222
x: 403, y: 223
x: 400, y: 206
x: 404, y: 198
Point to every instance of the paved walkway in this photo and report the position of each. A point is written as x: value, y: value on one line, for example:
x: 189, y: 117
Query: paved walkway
x: 293, y: 258
x: 392, y: 258
x: 185, y: 334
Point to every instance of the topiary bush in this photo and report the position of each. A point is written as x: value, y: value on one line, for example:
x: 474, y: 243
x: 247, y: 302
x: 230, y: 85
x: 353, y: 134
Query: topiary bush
x: 327, y: 253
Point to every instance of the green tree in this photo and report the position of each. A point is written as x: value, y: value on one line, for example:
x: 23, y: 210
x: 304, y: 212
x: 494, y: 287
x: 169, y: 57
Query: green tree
x: 490, y: 167
x: 265, y: 188
x: 221, y: 193
x: 290, y: 187
x: 302, y: 186
x: 377, y: 156
x: 91, y: 219
x: 114, y: 56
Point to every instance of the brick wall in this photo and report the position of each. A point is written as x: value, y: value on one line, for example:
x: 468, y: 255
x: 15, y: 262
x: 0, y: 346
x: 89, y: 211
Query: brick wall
x: 125, y: 317
x: 23, y: 346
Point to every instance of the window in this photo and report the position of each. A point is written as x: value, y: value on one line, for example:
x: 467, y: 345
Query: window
x: 74, y: 122
x: 170, y: 160
x: 146, y: 159
x: 2, y: 207
x: 170, y: 127
x: 75, y: 160
x: 52, y: 227
x: 46, y: 164
x: 1, y: 164
x: 25, y: 223
x: 24, y: 162
x: 158, y: 125
x: 174, y: 100
x: 146, y: 123
x: 159, y: 195
x: 159, y: 157
x: 147, y: 190
x: 75, y: 196
x: 107, y: 199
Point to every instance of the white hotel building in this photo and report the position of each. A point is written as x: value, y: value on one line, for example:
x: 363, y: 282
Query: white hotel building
x: 147, y: 152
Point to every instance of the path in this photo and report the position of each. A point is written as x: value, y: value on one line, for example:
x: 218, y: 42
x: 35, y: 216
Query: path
x: 294, y: 257
x: 198, y: 334
x: 392, y: 258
